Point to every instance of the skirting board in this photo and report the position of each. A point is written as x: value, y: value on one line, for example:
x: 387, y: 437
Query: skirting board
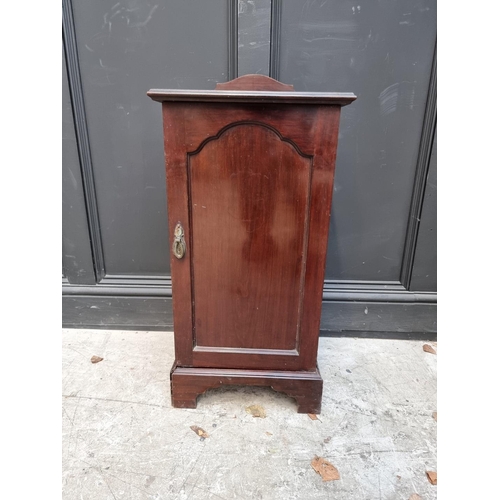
x: 404, y: 320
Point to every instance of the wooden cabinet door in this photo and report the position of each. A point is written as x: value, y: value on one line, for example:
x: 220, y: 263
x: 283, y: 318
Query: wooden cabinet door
x: 251, y: 187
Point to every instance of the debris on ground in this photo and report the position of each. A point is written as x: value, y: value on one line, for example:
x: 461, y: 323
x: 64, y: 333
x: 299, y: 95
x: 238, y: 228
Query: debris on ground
x: 312, y: 416
x: 428, y: 348
x: 327, y: 439
x: 95, y: 359
x: 432, y: 477
x: 256, y: 411
x: 269, y: 433
x: 415, y: 496
x: 435, y: 415
x: 325, y: 469
x: 199, y: 431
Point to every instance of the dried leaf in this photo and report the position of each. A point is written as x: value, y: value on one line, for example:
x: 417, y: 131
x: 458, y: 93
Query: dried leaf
x: 269, y: 433
x: 429, y: 349
x: 432, y: 477
x: 95, y: 359
x: 325, y: 469
x: 312, y: 416
x: 435, y: 415
x: 415, y: 496
x: 199, y: 431
x: 256, y: 411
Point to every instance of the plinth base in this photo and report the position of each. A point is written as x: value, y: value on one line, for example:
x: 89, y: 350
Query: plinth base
x: 188, y: 383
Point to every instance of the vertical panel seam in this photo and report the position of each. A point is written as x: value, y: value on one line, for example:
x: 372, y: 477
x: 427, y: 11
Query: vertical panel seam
x: 82, y: 137
x: 274, y: 37
x: 422, y: 169
x: 232, y: 70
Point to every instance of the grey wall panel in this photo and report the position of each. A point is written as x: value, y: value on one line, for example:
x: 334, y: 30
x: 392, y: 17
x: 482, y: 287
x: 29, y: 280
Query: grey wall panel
x: 76, y: 252
x: 254, y: 22
x: 424, y: 273
x: 382, y: 51
x: 126, y: 48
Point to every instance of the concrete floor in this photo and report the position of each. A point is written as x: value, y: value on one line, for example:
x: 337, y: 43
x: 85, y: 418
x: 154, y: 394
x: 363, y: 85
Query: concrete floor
x: 123, y: 440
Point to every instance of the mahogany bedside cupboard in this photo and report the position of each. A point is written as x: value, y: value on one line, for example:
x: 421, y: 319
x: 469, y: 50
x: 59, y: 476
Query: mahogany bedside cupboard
x: 249, y: 184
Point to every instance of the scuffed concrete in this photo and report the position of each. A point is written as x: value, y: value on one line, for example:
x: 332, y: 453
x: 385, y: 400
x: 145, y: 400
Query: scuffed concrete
x: 123, y: 440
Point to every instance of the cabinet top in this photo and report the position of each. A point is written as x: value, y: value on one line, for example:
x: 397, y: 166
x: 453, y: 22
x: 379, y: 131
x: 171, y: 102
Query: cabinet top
x: 252, y: 96
x: 253, y: 89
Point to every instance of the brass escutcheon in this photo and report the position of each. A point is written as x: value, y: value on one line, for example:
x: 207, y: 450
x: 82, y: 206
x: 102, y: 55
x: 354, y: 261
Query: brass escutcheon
x: 179, y: 245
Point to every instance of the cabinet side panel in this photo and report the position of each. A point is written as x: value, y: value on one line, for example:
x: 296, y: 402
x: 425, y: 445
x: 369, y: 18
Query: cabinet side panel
x: 325, y: 138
